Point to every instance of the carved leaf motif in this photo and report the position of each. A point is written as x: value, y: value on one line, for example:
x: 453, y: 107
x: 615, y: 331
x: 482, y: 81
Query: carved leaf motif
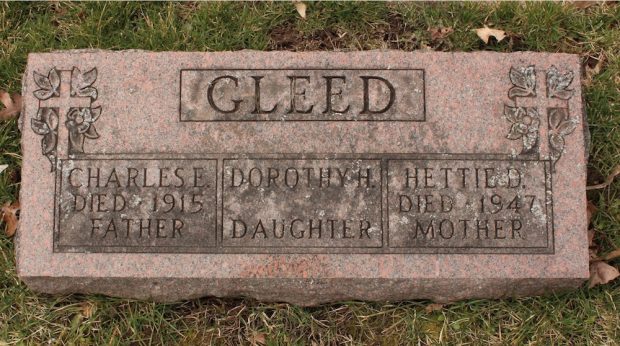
x: 516, y: 131
x: 42, y: 81
x: 91, y: 132
x: 80, y: 122
x: 566, y: 127
x: 48, y: 143
x: 81, y: 83
x: 49, y: 86
x: 95, y: 113
x: 518, y: 92
x: 558, y: 83
x: 39, y: 127
x: 46, y: 124
x: 88, y: 77
x: 556, y: 116
x: 43, y: 94
x: 524, y: 81
x: 556, y: 142
x: 511, y: 113
x: 525, y: 122
x: 50, y: 116
x: 54, y: 78
x: 560, y: 125
x: 532, y: 112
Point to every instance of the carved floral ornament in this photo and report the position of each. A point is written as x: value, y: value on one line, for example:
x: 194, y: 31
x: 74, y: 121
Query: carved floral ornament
x: 80, y: 120
x: 525, y: 121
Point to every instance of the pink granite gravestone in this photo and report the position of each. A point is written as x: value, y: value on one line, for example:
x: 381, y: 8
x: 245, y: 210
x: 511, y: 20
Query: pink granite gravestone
x: 303, y: 177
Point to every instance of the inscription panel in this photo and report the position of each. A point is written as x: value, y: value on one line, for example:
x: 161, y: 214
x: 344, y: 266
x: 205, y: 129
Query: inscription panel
x: 276, y: 203
x: 136, y: 205
x: 302, y: 95
x: 470, y: 205
x: 370, y: 203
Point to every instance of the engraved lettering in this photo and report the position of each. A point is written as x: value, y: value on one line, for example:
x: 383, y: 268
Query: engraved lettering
x: 212, y: 85
x: 295, y: 93
x: 391, y: 98
x: 257, y: 104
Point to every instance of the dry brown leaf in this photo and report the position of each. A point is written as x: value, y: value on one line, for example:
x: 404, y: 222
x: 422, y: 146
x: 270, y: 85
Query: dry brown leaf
x: 610, y: 178
x: 12, y: 105
x: 594, y: 70
x: 433, y: 307
x: 584, y: 4
x: 593, y: 255
x: 486, y: 33
x: 301, y: 8
x: 440, y: 32
x: 601, y: 273
x: 9, y: 217
x: 257, y: 339
x: 87, y: 309
x: 612, y: 255
x: 425, y: 47
x: 590, y: 238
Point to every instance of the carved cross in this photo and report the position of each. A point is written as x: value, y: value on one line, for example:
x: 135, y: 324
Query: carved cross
x: 65, y: 116
x: 542, y: 101
x: 540, y: 95
x: 64, y: 101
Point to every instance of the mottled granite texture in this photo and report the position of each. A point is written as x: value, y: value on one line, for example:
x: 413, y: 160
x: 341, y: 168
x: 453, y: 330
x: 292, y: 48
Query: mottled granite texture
x: 470, y: 125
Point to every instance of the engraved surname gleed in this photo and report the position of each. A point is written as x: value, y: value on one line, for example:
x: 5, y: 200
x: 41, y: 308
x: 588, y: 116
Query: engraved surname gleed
x: 302, y: 203
x: 467, y: 204
x: 263, y: 95
x: 138, y: 203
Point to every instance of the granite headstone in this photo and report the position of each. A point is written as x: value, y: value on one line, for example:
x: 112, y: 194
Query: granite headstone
x: 303, y: 177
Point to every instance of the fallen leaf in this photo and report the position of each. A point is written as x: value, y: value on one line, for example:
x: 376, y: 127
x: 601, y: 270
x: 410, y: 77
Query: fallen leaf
x: 87, y: 309
x: 590, y: 210
x: 440, y: 32
x: 593, y: 255
x: 610, y: 178
x: 583, y: 4
x: 612, y: 255
x: 433, y: 307
x: 9, y: 217
x: 12, y: 105
x: 601, y: 273
x: 257, y: 339
x: 425, y: 47
x: 486, y: 33
x: 592, y: 71
x: 301, y: 8
x: 3, y: 167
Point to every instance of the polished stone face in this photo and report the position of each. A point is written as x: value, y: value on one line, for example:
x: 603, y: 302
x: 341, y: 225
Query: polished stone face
x: 303, y: 177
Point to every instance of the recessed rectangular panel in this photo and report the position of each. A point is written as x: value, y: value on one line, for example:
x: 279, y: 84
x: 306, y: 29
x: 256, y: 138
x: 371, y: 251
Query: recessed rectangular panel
x: 136, y: 205
x: 302, y: 94
x: 470, y: 205
x: 271, y: 204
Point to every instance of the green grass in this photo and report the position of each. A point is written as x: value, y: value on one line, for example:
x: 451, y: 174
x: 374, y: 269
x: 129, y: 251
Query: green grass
x: 586, y: 316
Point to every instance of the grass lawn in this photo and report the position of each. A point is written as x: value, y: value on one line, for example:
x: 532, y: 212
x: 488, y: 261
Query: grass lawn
x: 586, y: 316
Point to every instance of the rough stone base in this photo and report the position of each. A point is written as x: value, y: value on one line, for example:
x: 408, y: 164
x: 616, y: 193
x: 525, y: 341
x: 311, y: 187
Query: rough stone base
x: 303, y: 292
